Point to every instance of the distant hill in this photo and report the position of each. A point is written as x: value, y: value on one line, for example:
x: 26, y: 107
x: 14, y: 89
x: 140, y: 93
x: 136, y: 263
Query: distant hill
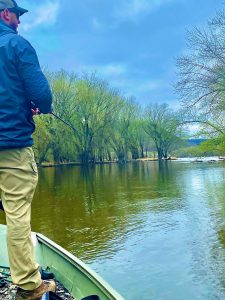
x: 195, y: 142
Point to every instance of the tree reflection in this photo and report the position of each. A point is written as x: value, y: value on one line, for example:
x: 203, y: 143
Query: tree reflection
x: 91, y: 210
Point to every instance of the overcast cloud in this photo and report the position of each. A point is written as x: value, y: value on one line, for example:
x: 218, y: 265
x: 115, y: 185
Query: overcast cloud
x: 133, y: 44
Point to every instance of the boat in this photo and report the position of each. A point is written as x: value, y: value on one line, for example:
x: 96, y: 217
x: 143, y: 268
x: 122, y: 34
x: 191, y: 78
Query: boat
x: 80, y: 281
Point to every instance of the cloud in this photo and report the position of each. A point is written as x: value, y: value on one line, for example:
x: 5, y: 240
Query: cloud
x: 144, y: 90
x: 112, y: 69
x: 108, y: 70
x: 150, y: 85
x: 96, y: 24
x: 132, y: 10
x: 45, y: 14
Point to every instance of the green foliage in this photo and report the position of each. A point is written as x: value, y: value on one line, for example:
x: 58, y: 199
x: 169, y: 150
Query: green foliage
x: 214, y: 146
x: 42, y: 138
x: 122, y: 135
x: 100, y: 124
x: 193, y: 151
x: 163, y: 127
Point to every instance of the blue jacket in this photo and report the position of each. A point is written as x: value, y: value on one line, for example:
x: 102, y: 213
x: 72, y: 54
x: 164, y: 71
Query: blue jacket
x: 21, y: 82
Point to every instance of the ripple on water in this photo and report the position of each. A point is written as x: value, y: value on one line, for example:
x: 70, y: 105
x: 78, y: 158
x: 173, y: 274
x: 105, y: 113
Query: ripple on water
x: 152, y: 232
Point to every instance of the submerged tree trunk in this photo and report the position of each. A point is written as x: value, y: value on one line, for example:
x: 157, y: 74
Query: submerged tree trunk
x: 134, y: 152
x: 160, y: 153
x: 109, y: 157
x: 142, y: 151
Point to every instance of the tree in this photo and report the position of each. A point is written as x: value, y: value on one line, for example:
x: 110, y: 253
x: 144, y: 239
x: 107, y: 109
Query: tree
x: 201, y: 83
x: 89, y: 107
x: 42, y: 139
x: 96, y: 108
x: 121, y: 135
x: 214, y: 146
x: 61, y: 141
x: 162, y: 126
x: 92, y: 122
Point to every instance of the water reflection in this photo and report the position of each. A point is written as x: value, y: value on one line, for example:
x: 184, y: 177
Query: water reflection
x: 90, y: 211
x: 159, y: 227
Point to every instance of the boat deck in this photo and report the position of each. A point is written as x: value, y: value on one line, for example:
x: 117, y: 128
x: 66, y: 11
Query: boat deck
x: 79, y: 280
x: 8, y: 290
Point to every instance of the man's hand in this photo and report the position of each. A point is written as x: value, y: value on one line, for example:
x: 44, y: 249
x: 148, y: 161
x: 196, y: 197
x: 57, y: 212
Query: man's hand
x: 35, y: 111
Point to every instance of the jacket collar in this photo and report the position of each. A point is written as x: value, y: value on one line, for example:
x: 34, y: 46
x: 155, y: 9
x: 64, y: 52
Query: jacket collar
x: 4, y: 28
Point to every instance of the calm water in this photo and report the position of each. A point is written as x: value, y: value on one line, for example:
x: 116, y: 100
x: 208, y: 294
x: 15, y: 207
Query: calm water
x: 154, y: 232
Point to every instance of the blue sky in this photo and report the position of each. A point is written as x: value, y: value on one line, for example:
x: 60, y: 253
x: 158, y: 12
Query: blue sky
x: 133, y: 44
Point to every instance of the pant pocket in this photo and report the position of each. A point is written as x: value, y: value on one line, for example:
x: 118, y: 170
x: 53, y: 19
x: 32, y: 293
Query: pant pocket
x: 34, y: 167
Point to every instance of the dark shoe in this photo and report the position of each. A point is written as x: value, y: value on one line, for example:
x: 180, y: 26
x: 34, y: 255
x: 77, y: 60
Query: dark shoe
x: 45, y: 275
x: 1, y: 206
x: 46, y: 286
x: 53, y: 296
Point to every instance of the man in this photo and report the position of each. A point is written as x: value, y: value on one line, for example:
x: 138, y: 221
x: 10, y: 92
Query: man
x: 22, y: 84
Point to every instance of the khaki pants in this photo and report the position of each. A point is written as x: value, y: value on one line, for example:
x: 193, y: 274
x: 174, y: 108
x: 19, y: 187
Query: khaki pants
x: 18, y: 179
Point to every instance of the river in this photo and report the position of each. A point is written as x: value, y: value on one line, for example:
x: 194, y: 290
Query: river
x: 152, y: 231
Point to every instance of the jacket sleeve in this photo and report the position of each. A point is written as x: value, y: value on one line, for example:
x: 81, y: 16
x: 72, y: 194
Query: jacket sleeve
x: 34, y: 81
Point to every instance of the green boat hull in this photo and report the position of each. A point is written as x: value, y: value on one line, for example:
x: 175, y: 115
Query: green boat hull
x: 77, y: 277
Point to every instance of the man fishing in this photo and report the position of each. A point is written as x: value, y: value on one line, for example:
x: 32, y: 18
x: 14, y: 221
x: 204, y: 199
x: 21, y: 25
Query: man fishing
x: 21, y: 84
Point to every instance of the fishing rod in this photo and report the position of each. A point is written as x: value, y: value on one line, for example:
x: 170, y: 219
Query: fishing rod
x: 63, y: 121
x: 37, y: 111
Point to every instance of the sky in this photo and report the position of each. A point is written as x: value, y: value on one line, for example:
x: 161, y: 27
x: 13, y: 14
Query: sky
x: 132, y: 44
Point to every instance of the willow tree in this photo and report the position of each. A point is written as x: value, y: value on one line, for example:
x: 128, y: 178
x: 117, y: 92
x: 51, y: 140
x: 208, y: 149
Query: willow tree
x: 121, y: 132
x: 89, y: 106
x: 51, y: 142
x: 42, y: 139
x: 97, y: 107
x: 163, y: 127
x: 62, y: 138
x: 214, y: 146
x: 137, y: 137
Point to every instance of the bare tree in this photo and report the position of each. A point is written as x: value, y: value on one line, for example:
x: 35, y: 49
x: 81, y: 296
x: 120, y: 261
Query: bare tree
x: 201, y: 83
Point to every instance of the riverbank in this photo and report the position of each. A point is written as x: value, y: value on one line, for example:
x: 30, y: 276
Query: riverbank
x: 52, y: 164
x: 146, y: 159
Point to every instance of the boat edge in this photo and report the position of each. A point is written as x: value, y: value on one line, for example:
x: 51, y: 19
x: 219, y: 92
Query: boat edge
x: 81, y: 265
